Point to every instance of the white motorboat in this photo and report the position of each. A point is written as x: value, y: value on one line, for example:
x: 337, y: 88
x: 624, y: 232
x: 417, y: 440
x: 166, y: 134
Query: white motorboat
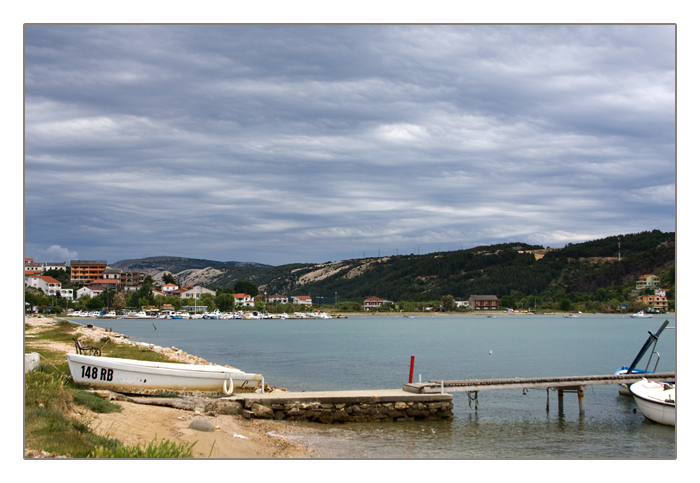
x: 320, y: 315
x: 171, y: 314
x: 640, y: 315
x: 656, y: 400
x: 159, y: 378
x: 139, y: 315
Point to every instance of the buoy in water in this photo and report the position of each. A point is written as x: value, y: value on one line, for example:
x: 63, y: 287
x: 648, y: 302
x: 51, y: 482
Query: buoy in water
x: 490, y: 353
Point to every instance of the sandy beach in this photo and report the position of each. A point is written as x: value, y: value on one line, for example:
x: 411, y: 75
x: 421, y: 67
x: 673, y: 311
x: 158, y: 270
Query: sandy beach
x: 233, y: 436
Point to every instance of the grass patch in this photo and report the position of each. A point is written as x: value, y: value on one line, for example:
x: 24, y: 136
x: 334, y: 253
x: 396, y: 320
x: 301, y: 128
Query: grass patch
x: 48, y: 401
x: 125, y: 351
x: 62, y: 331
x: 154, y: 449
x: 95, y: 403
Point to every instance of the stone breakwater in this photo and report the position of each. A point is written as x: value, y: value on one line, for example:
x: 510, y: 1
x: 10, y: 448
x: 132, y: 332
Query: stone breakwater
x: 347, y: 406
x: 325, y: 408
x: 328, y: 413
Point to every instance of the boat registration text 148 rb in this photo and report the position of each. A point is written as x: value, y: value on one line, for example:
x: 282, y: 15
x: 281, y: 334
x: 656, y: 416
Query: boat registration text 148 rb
x: 96, y: 373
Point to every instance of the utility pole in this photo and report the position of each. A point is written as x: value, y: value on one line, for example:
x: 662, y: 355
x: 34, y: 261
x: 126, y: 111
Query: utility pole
x: 619, y: 248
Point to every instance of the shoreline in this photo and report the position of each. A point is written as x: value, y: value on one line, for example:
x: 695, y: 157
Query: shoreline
x: 225, y: 436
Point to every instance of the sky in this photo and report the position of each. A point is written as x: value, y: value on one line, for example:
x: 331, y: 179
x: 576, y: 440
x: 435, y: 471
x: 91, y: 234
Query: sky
x: 311, y: 143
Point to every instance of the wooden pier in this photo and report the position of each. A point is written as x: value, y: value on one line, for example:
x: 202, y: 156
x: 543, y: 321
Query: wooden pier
x: 561, y: 384
x: 416, y: 401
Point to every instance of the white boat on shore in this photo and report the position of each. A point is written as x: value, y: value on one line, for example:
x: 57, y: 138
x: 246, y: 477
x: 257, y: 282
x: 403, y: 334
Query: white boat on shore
x: 159, y: 378
x: 640, y: 315
x: 656, y: 400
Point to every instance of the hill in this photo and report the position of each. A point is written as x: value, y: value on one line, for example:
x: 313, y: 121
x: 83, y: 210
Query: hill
x: 506, y: 270
x: 191, y: 271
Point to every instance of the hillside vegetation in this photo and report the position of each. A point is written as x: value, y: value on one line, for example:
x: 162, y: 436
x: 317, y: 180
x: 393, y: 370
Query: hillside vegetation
x: 508, y: 270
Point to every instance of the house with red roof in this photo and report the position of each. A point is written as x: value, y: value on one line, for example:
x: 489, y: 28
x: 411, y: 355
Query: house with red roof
x: 373, y: 303
x: 302, y: 300
x: 648, y: 281
x: 49, y: 285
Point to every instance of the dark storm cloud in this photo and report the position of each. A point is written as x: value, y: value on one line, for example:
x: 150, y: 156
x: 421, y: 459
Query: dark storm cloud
x: 311, y: 143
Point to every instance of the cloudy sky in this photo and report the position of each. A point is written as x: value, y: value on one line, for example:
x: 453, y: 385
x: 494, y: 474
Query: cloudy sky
x: 309, y: 143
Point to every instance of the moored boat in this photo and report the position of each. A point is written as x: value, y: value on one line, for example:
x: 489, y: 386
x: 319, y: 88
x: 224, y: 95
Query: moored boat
x: 159, y: 378
x: 640, y: 315
x: 656, y: 400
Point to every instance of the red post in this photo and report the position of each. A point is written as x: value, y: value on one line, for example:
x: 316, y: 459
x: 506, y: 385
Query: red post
x: 410, y: 374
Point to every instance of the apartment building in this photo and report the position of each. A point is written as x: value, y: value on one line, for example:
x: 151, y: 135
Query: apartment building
x: 84, y: 272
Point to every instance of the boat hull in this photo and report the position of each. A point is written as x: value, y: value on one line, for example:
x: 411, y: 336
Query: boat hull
x: 656, y: 401
x: 159, y: 378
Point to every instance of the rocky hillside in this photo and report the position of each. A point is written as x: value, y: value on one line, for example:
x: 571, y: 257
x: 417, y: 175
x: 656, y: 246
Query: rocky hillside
x: 508, y: 269
x: 187, y: 271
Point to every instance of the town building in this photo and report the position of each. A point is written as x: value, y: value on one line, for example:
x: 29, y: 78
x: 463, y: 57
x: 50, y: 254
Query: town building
x: 243, y: 300
x: 302, y: 300
x: 133, y: 279
x: 654, y: 303
x: 48, y: 285
x: 195, y: 292
x: 169, y: 288
x: 373, y: 303
x: 37, y: 268
x: 483, y: 302
x: 648, y: 281
x: 90, y: 290
x: 84, y: 272
x: 115, y: 275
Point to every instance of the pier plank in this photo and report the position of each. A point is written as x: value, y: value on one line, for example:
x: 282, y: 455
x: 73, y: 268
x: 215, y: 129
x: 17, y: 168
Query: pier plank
x: 566, y: 382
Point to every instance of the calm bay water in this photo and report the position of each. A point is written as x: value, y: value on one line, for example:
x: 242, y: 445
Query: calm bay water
x: 375, y: 352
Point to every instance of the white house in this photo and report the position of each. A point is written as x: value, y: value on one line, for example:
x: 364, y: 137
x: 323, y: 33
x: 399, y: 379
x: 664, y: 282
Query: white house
x: 90, y: 290
x: 243, y: 299
x: 302, y: 300
x: 196, y: 292
x: 283, y: 299
x: 169, y: 288
x: 49, y: 285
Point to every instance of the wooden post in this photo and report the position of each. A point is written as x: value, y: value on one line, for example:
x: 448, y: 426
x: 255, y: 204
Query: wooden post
x: 560, y: 400
x: 581, y: 404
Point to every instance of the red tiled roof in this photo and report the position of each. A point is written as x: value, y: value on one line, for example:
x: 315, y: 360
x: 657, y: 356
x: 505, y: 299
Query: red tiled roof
x: 647, y: 276
x: 46, y: 278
